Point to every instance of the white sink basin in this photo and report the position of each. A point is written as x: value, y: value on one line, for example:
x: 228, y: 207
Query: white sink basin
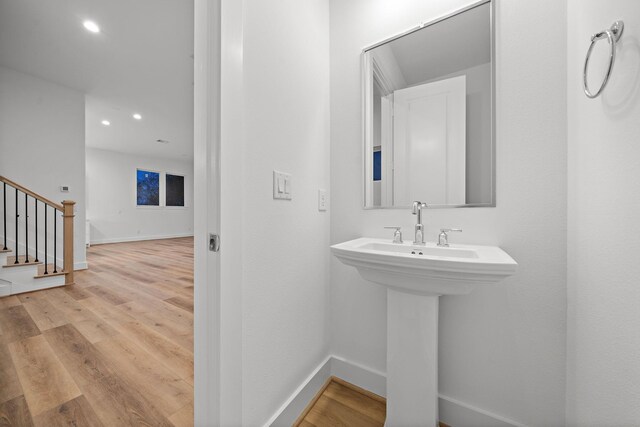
x: 426, y: 270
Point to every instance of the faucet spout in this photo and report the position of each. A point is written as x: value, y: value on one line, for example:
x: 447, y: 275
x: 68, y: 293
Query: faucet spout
x: 419, y: 230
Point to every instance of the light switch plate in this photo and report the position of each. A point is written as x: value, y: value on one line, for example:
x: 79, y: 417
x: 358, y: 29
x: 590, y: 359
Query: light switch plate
x: 281, y: 185
x: 322, y: 200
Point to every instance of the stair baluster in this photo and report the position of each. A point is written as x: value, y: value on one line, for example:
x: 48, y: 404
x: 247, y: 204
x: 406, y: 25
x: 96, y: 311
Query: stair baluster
x: 35, y: 208
x: 46, y: 239
x: 55, y: 241
x: 17, y: 215
x: 26, y: 228
x: 4, y: 204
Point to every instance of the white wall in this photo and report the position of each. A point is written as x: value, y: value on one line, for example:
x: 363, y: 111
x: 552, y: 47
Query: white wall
x: 603, y: 368
x: 502, y: 348
x: 42, y: 142
x: 285, y: 93
x: 111, y: 198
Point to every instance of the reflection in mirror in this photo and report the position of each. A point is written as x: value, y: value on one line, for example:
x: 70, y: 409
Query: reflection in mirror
x: 428, y: 99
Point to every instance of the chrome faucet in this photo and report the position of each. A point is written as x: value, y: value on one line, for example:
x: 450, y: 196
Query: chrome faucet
x: 419, y: 234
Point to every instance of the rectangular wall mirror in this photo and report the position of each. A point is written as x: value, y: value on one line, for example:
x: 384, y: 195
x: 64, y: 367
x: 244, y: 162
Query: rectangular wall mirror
x: 429, y: 114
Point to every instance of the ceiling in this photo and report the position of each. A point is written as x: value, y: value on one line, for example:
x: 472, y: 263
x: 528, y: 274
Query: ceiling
x: 140, y: 62
x: 457, y: 43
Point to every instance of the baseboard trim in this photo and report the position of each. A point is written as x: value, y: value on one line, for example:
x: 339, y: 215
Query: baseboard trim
x: 452, y: 411
x: 291, y: 409
x: 139, y: 238
x: 461, y: 414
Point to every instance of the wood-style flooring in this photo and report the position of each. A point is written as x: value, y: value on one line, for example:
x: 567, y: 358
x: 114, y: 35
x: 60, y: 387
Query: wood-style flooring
x: 342, y: 404
x: 115, y: 349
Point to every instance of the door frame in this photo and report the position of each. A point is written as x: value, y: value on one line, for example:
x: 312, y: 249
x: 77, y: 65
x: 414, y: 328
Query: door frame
x: 206, y: 212
x: 218, y: 208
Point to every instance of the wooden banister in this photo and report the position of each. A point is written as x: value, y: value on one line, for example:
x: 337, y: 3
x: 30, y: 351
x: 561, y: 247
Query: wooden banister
x: 67, y: 221
x: 58, y: 206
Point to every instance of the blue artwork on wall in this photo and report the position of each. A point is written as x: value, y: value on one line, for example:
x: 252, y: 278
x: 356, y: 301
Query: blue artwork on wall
x: 148, y: 188
x: 377, y: 165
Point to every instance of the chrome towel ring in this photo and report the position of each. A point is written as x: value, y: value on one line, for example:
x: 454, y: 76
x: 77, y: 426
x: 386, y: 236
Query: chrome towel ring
x: 612, y: 35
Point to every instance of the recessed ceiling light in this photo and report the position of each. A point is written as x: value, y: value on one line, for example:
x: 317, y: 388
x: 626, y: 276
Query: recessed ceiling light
x: 137, y: 116
x: 106, y: 122
x: 91, y: 26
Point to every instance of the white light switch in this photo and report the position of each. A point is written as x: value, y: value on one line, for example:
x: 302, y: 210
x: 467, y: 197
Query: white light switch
x: 322, y: 200
x: 281, y: 185
x: 287, y: 184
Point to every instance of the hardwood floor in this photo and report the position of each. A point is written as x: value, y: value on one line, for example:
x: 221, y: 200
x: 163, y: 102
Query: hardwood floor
x: 115, y: 349
x: 342, y: 404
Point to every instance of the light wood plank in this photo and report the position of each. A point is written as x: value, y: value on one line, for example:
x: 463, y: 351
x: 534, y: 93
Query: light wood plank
x: 114, y: 400
x: 10, y: 301
x: 172, y: 355
x: 184, y: 417
x: 45, y: 382
x: 357, y: 401
x: 149, y: 376
x: 74, y: 413
x: 44, y: 314
x: 90, y: 325
x: 107, y: 295
x: 331, y: 413
x: 9, y: 382
x: 182, y: 302
x: 17, y: 324
x: 15, y: 413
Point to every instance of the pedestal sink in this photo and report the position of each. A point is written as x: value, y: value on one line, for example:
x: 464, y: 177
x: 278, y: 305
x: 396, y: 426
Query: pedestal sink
x: 415, y: 277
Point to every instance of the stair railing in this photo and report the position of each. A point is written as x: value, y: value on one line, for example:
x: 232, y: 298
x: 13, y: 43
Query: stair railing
x: 64, y: 209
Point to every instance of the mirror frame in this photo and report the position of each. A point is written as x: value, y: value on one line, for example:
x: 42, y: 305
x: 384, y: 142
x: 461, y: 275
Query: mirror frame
x: 367, y: 73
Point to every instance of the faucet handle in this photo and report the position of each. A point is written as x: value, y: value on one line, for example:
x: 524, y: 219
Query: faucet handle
x: 397, y: 234
x: 417, y: 205
x: 443, y: 237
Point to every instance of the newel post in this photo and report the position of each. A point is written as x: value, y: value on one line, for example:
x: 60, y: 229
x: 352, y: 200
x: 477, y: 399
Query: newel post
x: 67, y: 215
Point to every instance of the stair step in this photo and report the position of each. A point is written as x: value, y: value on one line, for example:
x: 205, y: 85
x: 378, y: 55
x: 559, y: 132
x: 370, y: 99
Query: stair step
x: 4, y: 251
x: 11, y: 261
x: 41, y: 274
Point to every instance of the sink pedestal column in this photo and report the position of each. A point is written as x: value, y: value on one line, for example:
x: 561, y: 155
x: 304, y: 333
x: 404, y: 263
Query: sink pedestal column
x: 412, y: 359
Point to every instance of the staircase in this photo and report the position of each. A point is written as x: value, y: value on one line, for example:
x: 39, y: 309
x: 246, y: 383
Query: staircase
x: 36, y: 250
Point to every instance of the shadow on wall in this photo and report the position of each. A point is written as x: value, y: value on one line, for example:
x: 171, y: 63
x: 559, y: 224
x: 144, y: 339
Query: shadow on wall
x: 622, y: 91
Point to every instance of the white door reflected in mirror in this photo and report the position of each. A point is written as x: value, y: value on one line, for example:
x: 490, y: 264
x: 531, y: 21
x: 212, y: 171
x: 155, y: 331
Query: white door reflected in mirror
x: 429, y: 149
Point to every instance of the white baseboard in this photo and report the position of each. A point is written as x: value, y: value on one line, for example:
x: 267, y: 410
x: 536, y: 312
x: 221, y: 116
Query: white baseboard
x: 139, y: 238
x: 459, y: 414
x: 452, y: 412
x: 82, y: 265
x: 295, y: 404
